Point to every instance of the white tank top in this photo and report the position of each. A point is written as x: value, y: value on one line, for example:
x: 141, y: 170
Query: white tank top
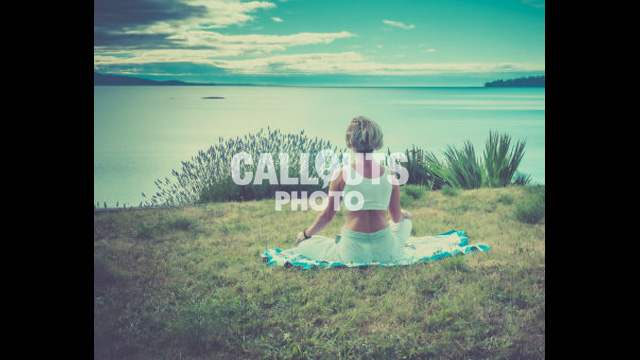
x: 376, y: 193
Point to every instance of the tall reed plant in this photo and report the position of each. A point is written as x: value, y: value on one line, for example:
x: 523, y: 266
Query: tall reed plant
x: 207, y: 176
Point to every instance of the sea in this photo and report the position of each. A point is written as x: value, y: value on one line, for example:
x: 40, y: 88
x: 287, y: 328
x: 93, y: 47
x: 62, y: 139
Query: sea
x: 142, y: 133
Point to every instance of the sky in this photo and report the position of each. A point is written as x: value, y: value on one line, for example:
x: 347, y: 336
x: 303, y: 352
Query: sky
x: 321, y: 42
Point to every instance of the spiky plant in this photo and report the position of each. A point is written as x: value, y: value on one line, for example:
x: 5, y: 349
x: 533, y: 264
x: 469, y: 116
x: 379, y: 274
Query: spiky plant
x: 464, y: 168
x: 460, y: 168
x: 501, y: 160
x: 418, y: 173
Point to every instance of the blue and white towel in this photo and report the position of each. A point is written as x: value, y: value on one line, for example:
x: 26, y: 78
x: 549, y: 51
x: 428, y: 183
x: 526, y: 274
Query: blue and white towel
x: 391, y: 246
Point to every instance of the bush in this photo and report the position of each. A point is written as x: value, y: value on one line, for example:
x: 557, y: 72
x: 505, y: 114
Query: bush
x: 449, y: 190
x: 462, y: 169
x: 506, y: 199
x: 533, y: 210
x: 104, y: 272
x: 182, y: 224
x: 207, y: 177
x: 414, y: 191
x: 144, y: 231
x: 416, y: 169
x: 520, y: 179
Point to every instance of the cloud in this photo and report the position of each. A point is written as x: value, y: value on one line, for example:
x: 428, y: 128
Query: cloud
x: 398, y: 24
x: 253, y: 43
x: 354, y: 64
x: 116, y: 14
x: 200, y: 47
x: 138, y: 22
x: 224, y: 13
x: 321, y: 63
x: 135, y: 34
x: 351, y: 63
x: 170, y: 31
x: 538, y: 4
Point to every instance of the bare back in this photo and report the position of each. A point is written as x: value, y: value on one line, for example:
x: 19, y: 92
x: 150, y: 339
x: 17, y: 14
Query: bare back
x: 368, y: 221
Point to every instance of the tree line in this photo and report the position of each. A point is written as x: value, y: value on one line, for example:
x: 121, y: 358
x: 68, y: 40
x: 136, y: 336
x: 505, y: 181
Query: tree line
x: 531, y: 81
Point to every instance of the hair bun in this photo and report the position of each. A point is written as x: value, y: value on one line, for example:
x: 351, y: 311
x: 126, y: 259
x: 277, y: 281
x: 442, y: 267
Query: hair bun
x: 359, y: 119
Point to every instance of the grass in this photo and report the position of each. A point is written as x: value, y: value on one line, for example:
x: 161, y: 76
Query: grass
x: 188, y: 283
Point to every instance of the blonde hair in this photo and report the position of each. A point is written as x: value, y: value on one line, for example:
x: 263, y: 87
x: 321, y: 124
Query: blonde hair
x: 364, y: 135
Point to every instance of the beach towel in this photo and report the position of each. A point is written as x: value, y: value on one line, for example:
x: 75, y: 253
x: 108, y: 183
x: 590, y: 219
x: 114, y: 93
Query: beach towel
x: 391, y: 246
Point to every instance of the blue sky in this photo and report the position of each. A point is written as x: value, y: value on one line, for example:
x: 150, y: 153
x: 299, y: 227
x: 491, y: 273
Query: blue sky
x: 321, y: 42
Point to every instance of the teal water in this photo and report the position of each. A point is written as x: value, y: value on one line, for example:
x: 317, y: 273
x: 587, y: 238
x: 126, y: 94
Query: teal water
x: 141, y: 133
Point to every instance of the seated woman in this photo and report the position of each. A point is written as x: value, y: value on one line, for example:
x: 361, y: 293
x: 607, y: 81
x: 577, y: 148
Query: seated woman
x: 367, y: 237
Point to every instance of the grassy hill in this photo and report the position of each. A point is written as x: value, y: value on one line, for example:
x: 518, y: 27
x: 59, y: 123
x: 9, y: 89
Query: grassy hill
x: 189, y: 283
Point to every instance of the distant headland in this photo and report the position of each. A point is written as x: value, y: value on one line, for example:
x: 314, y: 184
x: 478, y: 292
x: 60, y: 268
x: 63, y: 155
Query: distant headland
x: 531, y: 81
x: 120, y: 80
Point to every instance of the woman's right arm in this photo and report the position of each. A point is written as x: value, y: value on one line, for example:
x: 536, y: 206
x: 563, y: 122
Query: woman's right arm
x: 394, y: 204
x: 395, y: 210
x: 329, y: 212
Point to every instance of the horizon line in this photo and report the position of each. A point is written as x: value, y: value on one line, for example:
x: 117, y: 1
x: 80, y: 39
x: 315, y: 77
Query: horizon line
x: 302, y: 84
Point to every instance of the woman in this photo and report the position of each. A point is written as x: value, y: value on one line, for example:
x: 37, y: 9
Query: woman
x: 367, y: 237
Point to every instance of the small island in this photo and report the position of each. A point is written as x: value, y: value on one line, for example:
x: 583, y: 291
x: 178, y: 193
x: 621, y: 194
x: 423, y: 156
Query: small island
x: 531, y: 81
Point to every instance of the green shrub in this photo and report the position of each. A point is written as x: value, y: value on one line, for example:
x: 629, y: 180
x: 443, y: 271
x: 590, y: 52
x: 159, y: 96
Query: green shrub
x: 414, y: 191
x: 449, y: 190
x: 104, y: 272
x: 520, y: 179
x: 183, y: 224
x: 506, y: 199
x: 533, y: 210
x: 144, y: 231
x: 416, y: 169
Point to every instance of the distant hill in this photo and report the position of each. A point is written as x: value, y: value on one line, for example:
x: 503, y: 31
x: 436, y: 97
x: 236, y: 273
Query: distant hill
x: 531, y: 81
x: 105, y: 79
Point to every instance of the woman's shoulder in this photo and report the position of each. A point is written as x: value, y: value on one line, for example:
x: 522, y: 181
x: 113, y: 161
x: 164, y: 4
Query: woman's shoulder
x: 338, y: 174
x: 349, y: 169
x: 392, y: 176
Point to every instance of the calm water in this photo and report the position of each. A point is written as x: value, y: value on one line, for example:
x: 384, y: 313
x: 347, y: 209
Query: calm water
x: 141, y: 133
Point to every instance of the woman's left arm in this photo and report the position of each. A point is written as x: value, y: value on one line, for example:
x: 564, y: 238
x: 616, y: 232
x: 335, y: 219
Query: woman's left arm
x: 329, y: 212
